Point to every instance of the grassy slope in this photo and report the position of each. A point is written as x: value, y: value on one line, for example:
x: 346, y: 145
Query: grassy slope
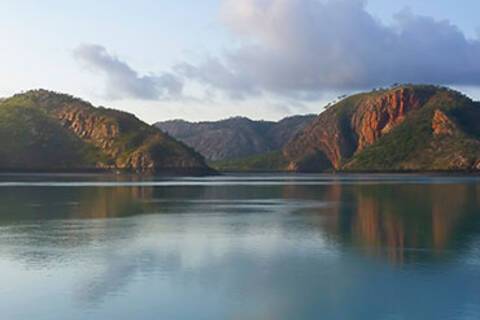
x: 29, y: 138
x: 272, y: 161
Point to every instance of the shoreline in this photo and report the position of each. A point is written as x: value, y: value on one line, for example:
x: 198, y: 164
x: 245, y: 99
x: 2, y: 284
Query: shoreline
x: 213, y: 173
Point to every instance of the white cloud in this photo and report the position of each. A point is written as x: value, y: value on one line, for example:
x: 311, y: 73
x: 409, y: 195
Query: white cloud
x: 303, y: 47
x: 304, y: 50
x: 124, y: 82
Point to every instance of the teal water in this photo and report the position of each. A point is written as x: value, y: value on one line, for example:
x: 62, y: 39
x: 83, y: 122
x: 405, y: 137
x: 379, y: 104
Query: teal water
x: 240, y: 247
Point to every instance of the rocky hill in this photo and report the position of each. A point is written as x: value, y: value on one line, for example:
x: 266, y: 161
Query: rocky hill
x: 43, y: 130
x: 235, y: 137
x: 405, y: 128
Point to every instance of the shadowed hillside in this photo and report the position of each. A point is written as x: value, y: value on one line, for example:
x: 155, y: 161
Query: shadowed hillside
x: 235, y: 137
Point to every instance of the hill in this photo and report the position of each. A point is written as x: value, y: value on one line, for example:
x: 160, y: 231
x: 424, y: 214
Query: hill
x: 48, y: 131
x: 235, y: 138
x: 405, y: 128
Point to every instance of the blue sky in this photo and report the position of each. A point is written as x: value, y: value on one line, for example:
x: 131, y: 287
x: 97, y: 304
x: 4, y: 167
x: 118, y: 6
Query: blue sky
x: 196, y: 59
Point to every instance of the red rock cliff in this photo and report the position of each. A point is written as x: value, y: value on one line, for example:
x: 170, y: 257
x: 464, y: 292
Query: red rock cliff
x: 378, y: 115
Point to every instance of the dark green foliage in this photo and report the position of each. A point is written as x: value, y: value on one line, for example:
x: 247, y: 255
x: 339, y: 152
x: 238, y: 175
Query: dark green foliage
x: 30, y: 138
x: 273, y: 161
x: 315, y: 162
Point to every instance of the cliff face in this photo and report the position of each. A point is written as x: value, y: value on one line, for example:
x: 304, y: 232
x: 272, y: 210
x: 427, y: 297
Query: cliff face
x: 378, y: 115
x: 236, y: 137
x: 321, y: 145
x: 89, y: 126
x: 115, y: 140
x: 386, y: 130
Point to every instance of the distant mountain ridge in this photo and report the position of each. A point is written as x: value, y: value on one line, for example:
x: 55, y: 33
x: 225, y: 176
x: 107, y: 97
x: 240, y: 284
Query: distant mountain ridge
x: 43, y: 130
x: 237, y: 137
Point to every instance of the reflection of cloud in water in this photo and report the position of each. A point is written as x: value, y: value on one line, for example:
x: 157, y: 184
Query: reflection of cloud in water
x: 187, y: 258
x: 272, y: 277
x: 118, y: 270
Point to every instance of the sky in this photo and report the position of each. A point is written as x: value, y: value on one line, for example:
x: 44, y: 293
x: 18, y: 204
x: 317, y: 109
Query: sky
x: 212, y: 59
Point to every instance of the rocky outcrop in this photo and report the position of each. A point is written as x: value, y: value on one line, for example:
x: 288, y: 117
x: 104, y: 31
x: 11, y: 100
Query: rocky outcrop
x: 442, y: 124
x: 138, y: 161
x: 89, y: 126
x: 377, y: 115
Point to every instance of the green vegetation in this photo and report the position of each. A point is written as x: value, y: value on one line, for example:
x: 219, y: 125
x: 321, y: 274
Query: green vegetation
x: 272, y: 161
x: 31, y: 139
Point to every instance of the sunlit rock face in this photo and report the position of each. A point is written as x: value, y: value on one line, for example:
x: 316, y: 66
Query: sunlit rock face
x: 442, y: 124
x: 378, y: 115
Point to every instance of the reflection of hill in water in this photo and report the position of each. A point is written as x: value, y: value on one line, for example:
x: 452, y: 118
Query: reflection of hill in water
x: 47, y: 203
x: 31, y: 203
x: 400, y: 221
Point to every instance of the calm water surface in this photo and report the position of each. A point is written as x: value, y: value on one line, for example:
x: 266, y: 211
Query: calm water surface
x: 240, y: 247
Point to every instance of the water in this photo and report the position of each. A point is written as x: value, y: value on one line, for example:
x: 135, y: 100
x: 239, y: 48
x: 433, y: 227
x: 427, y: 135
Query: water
x: 240, y: 247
